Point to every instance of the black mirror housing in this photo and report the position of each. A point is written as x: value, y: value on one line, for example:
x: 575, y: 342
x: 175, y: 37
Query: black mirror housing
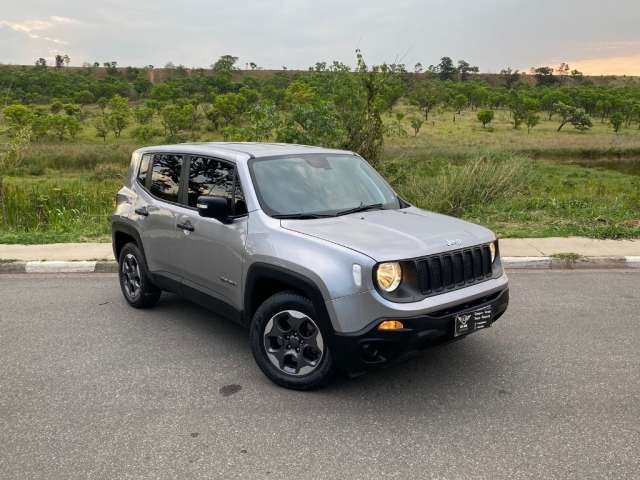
x: 214, y: 207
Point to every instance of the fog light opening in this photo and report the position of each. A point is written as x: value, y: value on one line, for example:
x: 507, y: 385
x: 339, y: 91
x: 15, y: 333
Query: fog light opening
x: 370, y: 352
x: 391, y: 325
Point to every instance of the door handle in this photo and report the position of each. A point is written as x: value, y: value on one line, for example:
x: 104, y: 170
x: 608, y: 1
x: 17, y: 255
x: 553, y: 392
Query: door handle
x: 185, y: 226
x: 142, y: 211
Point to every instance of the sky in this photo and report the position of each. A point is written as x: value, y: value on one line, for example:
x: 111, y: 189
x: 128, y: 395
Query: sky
x: 594, y: 36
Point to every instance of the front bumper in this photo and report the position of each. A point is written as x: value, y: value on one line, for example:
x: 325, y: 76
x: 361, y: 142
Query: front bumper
x: 359, y: 351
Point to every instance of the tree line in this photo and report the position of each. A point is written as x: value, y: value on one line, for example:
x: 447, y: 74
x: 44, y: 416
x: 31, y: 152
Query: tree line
x: 330, y: 104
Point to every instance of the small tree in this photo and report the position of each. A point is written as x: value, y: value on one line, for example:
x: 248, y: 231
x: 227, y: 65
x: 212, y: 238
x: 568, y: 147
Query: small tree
x: 396, y: 128
x: 225, y: 63
x: 544, y: 75
x: 446, y: 70
x: 485, y: 117
x: 531, y: 120
x: 175, y: 118
x: 617, y: 119
x: 426, y: 96
x: 58, y: 124
x: 576, y: 116
x: 464, y: 69
x: 416, y: 124
x: 12, y: 158
x: 510, y: 77
x: 144, y: 132
x: 40, y: 123
x: 143, y: 115
x: 228, y: 108
x: 18, y: 116
x: 119, y: 114
x: 102, y: 129
x: 73, y: 126
x: 458, y: 102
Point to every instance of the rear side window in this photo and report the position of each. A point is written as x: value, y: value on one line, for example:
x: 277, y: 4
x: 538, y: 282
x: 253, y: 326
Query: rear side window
x: 165, y: 176
x: 144, y: 169
x: 209, y: 177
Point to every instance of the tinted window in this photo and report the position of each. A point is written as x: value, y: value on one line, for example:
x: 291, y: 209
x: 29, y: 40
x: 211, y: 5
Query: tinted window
x: 165, y: 179
x: 144, y: 169
x: 209, y: 177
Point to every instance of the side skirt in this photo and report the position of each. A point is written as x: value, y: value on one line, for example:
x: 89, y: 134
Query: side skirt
x: 197, y: 296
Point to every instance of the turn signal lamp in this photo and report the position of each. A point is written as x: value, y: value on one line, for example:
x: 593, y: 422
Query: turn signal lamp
x: 391, y: 325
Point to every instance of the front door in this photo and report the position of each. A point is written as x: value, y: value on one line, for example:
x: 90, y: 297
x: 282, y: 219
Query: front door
x: 213, y: 252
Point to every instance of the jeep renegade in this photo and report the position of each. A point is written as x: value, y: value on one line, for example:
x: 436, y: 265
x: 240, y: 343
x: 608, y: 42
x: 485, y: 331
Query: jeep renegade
x: 309, y: 248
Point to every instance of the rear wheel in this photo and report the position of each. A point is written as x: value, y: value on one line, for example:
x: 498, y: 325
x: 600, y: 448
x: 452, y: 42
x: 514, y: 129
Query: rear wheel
x: 135, y: 284
x: 289, y: 342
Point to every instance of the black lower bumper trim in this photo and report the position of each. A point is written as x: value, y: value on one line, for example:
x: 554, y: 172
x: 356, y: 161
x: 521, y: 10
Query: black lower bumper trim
x: 372, y: 348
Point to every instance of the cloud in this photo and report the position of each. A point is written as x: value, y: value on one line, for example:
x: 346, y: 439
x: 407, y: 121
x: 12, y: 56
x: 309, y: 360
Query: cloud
x: 492, y: 34
x: 28, y: 27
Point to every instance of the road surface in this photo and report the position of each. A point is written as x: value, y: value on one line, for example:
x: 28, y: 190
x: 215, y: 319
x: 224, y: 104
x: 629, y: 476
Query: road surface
x: 90, y: 388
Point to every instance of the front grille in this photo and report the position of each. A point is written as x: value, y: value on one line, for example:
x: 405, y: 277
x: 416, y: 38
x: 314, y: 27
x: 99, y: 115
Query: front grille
x: 454, y: 270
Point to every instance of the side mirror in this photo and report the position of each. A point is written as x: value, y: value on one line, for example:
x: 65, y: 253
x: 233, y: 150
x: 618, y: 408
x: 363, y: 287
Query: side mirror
x: 214, y: 207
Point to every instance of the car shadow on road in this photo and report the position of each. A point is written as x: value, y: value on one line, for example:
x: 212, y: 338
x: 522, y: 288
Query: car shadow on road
x: 462, y: 368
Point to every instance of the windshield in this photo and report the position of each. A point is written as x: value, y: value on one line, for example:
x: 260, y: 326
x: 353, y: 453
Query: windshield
x: 319, y: 184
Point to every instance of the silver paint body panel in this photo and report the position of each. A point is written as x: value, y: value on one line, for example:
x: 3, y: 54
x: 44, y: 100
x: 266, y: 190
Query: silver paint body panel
x: 216, y: 257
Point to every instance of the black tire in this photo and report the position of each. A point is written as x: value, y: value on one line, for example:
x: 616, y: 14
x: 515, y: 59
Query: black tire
x: 145, y: 294
x: 313, y: 351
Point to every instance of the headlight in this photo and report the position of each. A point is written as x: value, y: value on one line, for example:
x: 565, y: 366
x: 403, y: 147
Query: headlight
x: 389, y: 276
x: 492, y: 247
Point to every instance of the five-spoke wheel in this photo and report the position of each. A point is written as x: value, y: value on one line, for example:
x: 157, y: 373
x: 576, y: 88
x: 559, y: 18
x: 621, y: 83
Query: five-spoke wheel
x: 293, y: 342
x: 137, y: 288
x: 131, y: 280
x: 290, y: 340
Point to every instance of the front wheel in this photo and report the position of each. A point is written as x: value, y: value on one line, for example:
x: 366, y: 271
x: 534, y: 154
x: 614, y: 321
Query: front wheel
x: 288, y: 342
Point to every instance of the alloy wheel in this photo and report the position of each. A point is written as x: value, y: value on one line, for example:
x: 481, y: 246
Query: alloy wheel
x: 131, y: 278
x: 293, y: 343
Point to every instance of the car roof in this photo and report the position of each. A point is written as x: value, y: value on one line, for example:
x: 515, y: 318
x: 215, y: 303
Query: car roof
x: 241, y: 150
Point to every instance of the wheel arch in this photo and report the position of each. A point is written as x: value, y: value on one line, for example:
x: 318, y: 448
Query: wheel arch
x: 123, y: 233
x: 264, y: 280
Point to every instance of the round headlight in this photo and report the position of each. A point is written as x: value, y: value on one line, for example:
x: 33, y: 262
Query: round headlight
x: 492, y: 247
x: 389, y: 276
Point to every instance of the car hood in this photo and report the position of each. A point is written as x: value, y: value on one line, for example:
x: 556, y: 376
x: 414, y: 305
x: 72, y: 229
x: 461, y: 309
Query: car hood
x: 394, y: 234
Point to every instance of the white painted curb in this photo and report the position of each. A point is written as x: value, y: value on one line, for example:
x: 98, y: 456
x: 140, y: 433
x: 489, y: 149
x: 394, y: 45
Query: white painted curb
x: 526, y: 262
x: 60, y: 267
x: 632, y: 262
x: 509, y: 263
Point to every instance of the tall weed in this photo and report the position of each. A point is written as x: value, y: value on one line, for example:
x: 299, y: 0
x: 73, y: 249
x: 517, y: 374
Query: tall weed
x: 453, y: 188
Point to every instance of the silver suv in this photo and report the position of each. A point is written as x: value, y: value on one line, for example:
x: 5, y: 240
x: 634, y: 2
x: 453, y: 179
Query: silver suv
x: 308, y: 247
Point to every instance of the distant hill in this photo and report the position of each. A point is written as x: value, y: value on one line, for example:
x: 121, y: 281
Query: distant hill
x: 160, y: 75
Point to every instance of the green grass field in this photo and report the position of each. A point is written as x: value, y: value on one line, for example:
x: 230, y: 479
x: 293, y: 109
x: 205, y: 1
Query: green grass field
x: 550, y: 183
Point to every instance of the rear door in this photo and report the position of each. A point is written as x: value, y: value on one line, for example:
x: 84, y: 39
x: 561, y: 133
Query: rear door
x: 158, y: 208
x: 213, y: 252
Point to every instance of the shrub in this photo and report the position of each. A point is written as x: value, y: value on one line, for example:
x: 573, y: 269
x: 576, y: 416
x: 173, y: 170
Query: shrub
x: 455, y: 188
x: 485, y: 117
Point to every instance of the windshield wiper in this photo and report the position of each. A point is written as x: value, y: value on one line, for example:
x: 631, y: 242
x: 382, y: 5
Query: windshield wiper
x: 360, y: 208
x: 301, y: 216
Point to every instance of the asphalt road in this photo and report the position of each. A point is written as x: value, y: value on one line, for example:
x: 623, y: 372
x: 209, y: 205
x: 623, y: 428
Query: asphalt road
x: 90, y: 388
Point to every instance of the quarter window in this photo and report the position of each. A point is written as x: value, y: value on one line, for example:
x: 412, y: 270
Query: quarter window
x: 144, y: 169
x: 165, y: 178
